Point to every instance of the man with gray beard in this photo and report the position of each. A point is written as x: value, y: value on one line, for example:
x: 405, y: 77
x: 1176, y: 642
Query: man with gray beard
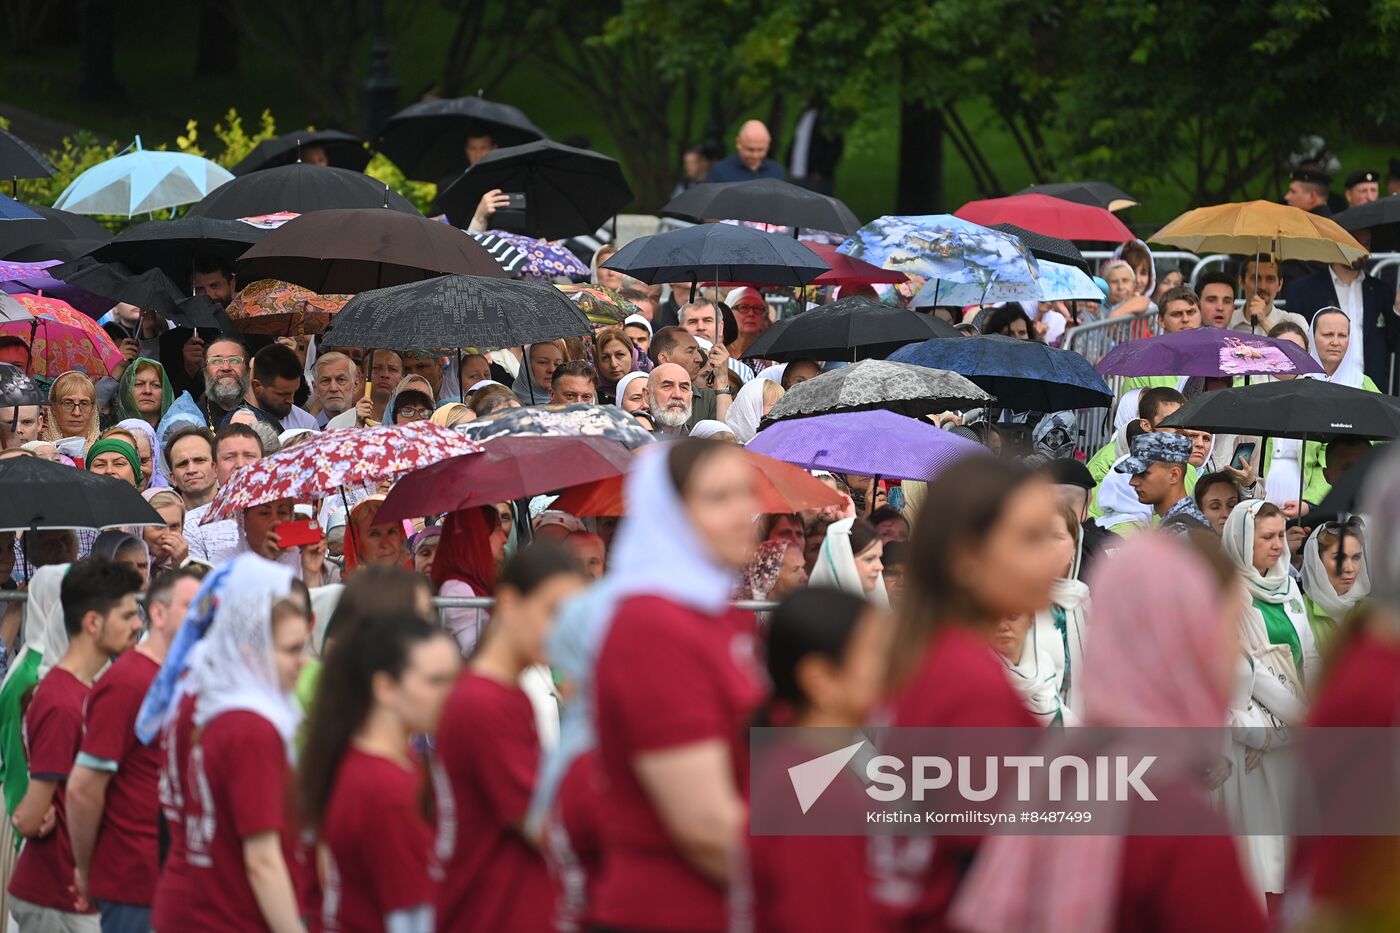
x: 225, y: 378
x: 670, y: 391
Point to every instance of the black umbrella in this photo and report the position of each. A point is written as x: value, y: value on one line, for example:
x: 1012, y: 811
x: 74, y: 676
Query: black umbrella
x: 63, y: 250
x: 1097, y: 193
x: 1300, y: 409
x: 37, y: 494
x: 720, y: 253
x: 171, y: 245
x: 199, y: 311
x: 345, y: 252
x: 568, y: 191
x: 55, y: 225
x: 342, y: 149
x: 428, y: 139
x: 1381, y: 217
x: 300, y: 188
x: 18, y: 159
x: 151, y: 290
x: 17, y: 388
x: 1345, y: 495
x: 766, y: 200
x: 1050, y: 248
x: 851, y: 328
x: 456, y: 311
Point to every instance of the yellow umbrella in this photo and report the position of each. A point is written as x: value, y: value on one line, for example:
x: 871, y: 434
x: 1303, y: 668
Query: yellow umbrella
x: 1256, y: 227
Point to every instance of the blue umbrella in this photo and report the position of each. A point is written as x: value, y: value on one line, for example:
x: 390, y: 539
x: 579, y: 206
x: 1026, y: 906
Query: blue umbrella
x: 141, y: 182
x: 941, y: 246
x: 1023, y: 375
x: 10, y: 209
x: 1057, y: 282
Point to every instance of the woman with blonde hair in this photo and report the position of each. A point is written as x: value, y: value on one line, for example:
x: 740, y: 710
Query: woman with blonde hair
x: 72, y: 409
x: 451, y: 414
x: 751, y: 404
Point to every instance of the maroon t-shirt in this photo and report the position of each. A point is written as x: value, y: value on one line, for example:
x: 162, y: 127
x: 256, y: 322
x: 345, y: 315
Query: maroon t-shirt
x: 667, y: 676
x: 574, y: 844
x: 235, y: 785
x: 125, y: 860
x: 959, y: 683
x: 378, y: 843
x: 53, y: 727
x: 488, y: 755
x: 174, y: 884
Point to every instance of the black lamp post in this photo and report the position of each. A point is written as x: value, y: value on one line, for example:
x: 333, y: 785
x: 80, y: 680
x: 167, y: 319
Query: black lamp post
x: 381, y: 89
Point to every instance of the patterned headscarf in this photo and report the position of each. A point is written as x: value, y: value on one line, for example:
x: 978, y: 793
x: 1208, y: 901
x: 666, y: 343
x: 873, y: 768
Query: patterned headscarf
x: 761, y: 575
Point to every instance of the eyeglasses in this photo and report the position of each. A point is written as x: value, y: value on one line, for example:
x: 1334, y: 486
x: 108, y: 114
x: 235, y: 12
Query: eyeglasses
x: 417, y: 413
x: 752, y: 309
x: 224, y: 361
x: 69, y: 405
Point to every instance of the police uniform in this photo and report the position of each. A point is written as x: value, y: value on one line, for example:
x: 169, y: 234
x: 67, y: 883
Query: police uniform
x: 1164, y: 447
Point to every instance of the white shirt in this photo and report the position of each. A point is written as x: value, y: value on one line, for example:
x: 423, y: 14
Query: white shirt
x: 214, y: 543
x: 1349, y: 300
x: 300, y: 418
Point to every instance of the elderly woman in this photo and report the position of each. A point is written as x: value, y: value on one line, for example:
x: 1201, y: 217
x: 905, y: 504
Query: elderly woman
x: 751, y: 313
x: 144, y: 392
x: 166, y: 544
x: 72, y: 409
x: 145, y: 439
x: 372, y: 543
x: 412, y: 401
x: 452, y: 414
x: 113, y: 456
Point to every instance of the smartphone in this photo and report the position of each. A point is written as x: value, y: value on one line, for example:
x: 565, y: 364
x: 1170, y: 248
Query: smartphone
x: 515, y: 200
x: 295, y: 534
x: 1244, y: 452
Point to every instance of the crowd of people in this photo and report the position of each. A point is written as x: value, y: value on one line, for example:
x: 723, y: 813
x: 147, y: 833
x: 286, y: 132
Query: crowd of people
x: 205, y: 725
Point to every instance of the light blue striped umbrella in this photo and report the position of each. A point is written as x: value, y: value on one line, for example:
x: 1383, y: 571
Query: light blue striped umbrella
x: 140, y: 182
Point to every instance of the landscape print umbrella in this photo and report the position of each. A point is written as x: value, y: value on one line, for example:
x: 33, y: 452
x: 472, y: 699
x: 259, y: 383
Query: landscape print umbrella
x: 172, y: 245
x: 350, y: 251
x: 767, y: 200
x: 604, y: 306
x: 568, y: 191
x: 428, y: 139
x: 913, y: 391
x: 849, y: 329
x: 1056, y: 282
x: 718, y: 252
x: 1055, y: 217
x: 142, y: 182
x: 39, y: 494
x: 941, y: 246
x: 301, y: 189
x: 1208, y: 352
x: 63, y: 339
x: 873, y: 443
x: 282, y: 309
x: 342, y: 150
x: 1023, y: 375
x: 457, y: 311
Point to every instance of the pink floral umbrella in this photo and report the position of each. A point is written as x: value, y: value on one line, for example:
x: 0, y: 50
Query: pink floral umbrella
x: 62, y: 338
x: 345, y: 457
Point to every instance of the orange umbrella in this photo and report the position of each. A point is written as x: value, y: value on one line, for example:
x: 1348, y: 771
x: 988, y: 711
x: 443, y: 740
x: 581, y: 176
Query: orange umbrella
x: 781, y: 487
x: 271, y: 306
x: 1255, y: 227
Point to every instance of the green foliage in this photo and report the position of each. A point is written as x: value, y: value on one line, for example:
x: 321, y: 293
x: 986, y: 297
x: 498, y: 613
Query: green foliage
x: 419, y: 193
x: 235, y: 142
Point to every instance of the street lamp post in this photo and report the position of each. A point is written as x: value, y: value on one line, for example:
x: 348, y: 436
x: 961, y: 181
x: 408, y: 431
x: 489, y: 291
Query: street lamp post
x: 381, y: 89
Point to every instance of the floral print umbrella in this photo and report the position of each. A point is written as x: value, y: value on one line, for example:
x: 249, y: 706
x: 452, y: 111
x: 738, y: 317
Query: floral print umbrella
x: 63, y: 338
x: 271, y: 306
x: 344, y: 457
x: 528, y: 258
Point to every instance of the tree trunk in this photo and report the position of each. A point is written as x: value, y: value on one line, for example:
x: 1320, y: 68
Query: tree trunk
x: 216, y: 46
x: 97, y: 68
x: 920, y: 184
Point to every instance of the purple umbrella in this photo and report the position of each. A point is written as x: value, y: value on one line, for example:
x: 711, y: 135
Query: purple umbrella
x: 870, y: 443
x: 32, y: 278
x: 1209, y: 352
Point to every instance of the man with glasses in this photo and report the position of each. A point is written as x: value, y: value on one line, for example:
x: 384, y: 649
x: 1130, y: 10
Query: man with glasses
x: 225, y: 379
x: 1367, y: 302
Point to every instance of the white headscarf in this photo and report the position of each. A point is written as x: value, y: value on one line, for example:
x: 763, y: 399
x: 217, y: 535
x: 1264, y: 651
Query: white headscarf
x: 636, y: 320
x: 1035, y: 678
x: 1350, y: 370
x: 1277, y: 585
x: 1119, y: 500
x: 747, y: 411
x: 836, y: 565
x: 624, y: 382
x: 44, y: 631
x: 235, y: 668
x: 1318, y: 585
x: 709, y: 428
x: 657, y: 551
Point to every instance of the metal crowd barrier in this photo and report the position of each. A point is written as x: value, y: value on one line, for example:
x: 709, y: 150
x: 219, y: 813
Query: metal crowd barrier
x: 461, y: 602
x: 1093, y: 341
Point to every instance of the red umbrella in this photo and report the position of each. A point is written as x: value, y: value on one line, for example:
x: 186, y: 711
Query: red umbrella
x: 510, y: 467
x: 781, y: 487
x: 1050, y: 216
x: 848, y: 271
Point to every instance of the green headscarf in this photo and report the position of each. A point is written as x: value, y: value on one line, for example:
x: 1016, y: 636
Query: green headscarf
x: 109, y: 445
x: 126, y: 396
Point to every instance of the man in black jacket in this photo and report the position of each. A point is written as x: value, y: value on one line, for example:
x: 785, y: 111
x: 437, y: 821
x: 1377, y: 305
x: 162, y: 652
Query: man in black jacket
x: 1368, y: 302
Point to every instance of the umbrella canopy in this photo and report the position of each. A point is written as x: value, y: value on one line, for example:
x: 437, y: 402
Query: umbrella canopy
x: 429, y: 139
x: 142, y: 182
x: 349, y: 251
x: 913, y: 391
x: 172, y: 245
x: 568, y: 191
x: 37, y: 278
x: 10, y: 209
x: 508, y: 468
x: 199, y: 312
x: 875, y: 443
x: 767, y: 200
x: 457, y: 311
x: 605, y: 421
x: 604, y: 306
x: 1023, y: 375
x: 41, y: 494
x: 941, y: 246
x: 1050, y: 216
x: 11, y: 311
x: 1096, y: 193
x: 299, y: 188
x: 1050, y: 248
x: 1296, y: 408
x: 1261, y: 227
x: 528, y: 258
x: 847, y: 270
x: 1057, y: 282
x: 17, y: 388
x: 846, y: 330
x: 18, y: 159
x: 720, y: 252
x: 342, y: 150
x: 282, y: 309
x: 52, y: 250
x: 1377, y: 213
x: 344, y: 457
x: 54, y: 227
x: 780, y: 487
x: 151, y: 290
x: 64, y: 338
x: 1209, y: 352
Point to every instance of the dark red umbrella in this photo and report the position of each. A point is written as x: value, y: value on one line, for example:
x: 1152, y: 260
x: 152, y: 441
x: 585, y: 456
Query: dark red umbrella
x: 1050, y: 216
x: 848, y: 271
x: 509, y: 468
